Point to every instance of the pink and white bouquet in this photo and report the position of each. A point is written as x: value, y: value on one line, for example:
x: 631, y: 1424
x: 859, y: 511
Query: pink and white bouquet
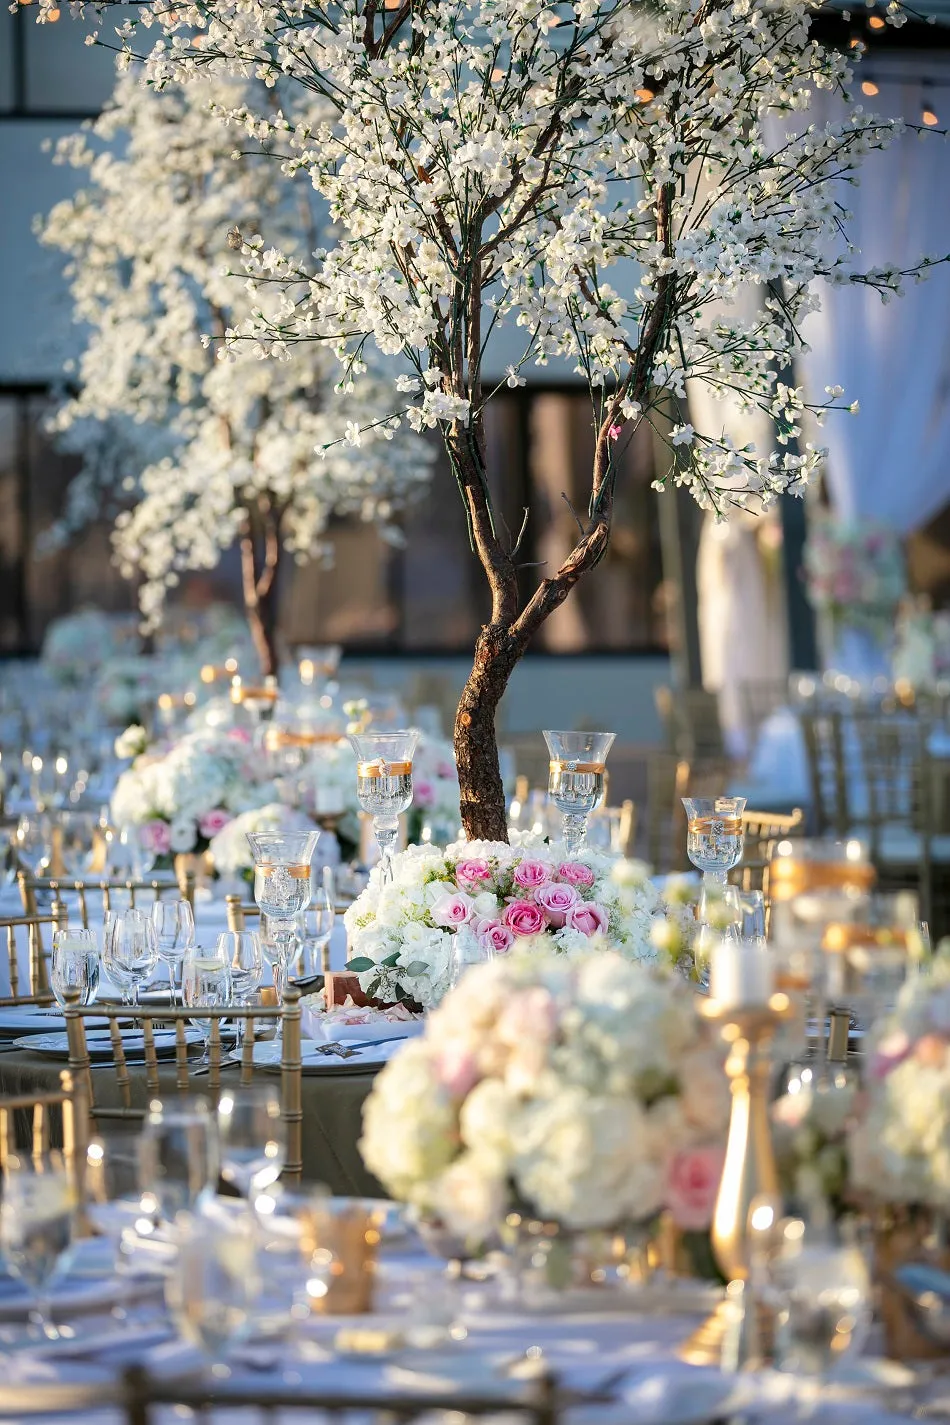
x: 899, y: 1146
x: 184, y: 795
x: 435, y: 790
x: 401, y: 933
x: 585, y: 1092
x: 854, y: 572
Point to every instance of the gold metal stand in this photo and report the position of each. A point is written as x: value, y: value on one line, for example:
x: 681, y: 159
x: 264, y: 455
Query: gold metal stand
x: 749, y: 1174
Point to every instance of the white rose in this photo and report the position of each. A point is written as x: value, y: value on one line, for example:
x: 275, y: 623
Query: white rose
x: 183, y: 835
x: 470, y: 1196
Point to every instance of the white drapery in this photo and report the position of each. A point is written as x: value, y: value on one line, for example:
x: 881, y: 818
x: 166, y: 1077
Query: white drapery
x: 890, y: 463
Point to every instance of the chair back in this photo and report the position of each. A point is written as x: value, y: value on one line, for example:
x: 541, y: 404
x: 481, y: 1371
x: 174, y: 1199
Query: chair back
x: 761, y: 832
x: 37, y: 1124
x: 759, y: 698
x: 15, y: 930
x: 896, y: 767
x: 667, y: 783
x: 148, y: 1085
x: 109, y: 890
x: 691, y: 719
x: 824, y: 747
x: 239, y: 911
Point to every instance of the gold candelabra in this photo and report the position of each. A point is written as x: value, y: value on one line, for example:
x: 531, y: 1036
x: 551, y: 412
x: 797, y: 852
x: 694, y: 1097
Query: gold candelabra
x: 749, y: 1174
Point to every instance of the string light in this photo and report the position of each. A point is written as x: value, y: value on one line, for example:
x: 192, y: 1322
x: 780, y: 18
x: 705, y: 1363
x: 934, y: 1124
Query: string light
x: 876, y: 22
x: 645, y: 95
x: 869, y: 88
x: 928, y: 114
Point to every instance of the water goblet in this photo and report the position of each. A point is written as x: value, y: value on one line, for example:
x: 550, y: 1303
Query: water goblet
x: 33, y: 843
x: 467, y: 950
x: 133, y: 949
x: 748, y: 911
x: 205, y: 984
x: 179, y: 1155
x: 714, y: 838
x: 36, y: 1227
x: 576, y: 779
x: 117, y: 1207
x: 216, y: 1281
x: 384, y: 784
x: 174, y: 925
x: 244, y: 953
x: 282, y: 884
x: 74, y: 965
x: 324, y: 916
x: 74, y: 835
x: 253, y: 1138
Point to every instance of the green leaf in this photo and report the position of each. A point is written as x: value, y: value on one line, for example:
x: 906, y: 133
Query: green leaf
x: 390, y: 960
x: 400, y: 993
x: 373, y: 990
x: 361, y: 963
x: 418, y: 967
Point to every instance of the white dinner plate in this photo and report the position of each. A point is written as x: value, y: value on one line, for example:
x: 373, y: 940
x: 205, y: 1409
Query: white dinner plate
x: 669, y: 1393
x: 378, y: 1032
x: 267, y: 1055
x: 99, y: 1044
x: 29, y: 1019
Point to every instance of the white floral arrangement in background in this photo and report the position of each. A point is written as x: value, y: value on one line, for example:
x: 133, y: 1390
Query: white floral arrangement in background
x: 585, y: 1092
x: 854, y: 572
x: 77, y: 645
x: 435, y: 788
x: 230, y: 849
x: 184, y: 796
x: 401, y: 933
x: 900, y: 1145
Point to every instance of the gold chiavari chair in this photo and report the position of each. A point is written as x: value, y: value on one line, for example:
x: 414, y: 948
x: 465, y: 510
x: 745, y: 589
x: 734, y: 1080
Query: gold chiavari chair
x: 35, y: 1125
x: 667, y: 784
x: 824, y: 747
x: 14, y: 930
x: 759, y: 698
x: 693, y: 726
x: 148, y: 1083
x: 126, y: 891
x: 761, y: 832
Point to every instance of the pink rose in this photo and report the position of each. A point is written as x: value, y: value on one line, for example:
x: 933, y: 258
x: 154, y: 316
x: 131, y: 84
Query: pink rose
x: 524, y: 918
x: 587, y: 917
x: 238, y: 734
x: 891, y: 1051
x: 214, y: 821
x: 496, y: 936
x: 692, y: 1184
x: 452, y: 910
x: 445, y: 769
x: 423, y: 792
x: 575, y: 873
x: 556, y: 901
x: 470, y: 873
x: 529, y: 875
x: 457, y: 1069
x: 157, y: 837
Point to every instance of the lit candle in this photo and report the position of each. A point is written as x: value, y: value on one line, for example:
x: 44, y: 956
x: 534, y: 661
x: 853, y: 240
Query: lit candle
x: 741, y: 973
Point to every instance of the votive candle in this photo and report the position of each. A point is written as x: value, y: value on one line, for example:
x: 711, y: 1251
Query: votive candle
x: 741, y: 973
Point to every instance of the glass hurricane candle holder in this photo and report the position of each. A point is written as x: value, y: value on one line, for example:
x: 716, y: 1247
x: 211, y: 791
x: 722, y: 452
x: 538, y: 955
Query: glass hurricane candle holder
x: 384, y: 783
x: 282, y: 885
x: 714, y: 838
x: 576, y: 778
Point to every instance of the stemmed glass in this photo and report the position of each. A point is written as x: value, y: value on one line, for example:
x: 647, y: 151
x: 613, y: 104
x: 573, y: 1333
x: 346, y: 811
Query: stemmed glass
x: 244, y: 953
x: 33, y: 842
x: 576, y: 778
x: 384, y: 784
x: 282, y: 884
x: 324, y: 916
x: 714, y: 838
x: 132, y: 950
x: 205, y: 984
x: 216, y: 1280
x: 36, y: 1227
x: 174, y: 924
x: 75, y: 833
x: 74, y: 965
x: 179, y: 1155
x: 253, y: 1138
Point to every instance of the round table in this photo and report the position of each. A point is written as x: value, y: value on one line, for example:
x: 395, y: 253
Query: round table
x: 332, y: 1111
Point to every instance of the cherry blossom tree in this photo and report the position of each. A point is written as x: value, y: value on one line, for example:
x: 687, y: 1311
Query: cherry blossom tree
x: 209, y: 453
x: 604, y: 178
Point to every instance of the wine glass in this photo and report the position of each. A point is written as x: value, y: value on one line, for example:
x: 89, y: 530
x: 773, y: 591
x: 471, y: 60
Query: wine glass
x: 174, y: 925
x: 384, y: 784
x: 244, y: 953
x: 467, y: 950
x: 75, y: 834
x: 868, y: 957
x: 116, y: 1205
x: 324, y: 917
x: 74, y: 965
x: 253, y: 1138
x: 33, y: 842
x: 576, y: 779
x: 205, y: 984
x: 133, y: 949
x: 748, y: 911
x: 179, y: 1155
x: 36, y: 1227
x: 714, y: 838
x: 282, y: 885
x: 216, y: 1281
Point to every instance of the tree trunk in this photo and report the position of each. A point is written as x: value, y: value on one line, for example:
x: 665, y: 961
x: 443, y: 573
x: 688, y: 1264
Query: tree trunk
x: 260, y: 600
x: 482, y: 800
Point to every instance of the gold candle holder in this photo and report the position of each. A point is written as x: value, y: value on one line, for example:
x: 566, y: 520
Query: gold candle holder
x: 749, y: 1173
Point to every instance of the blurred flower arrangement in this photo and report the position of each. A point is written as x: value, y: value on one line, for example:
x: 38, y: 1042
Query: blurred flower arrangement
x: 230, y: 849
x: 854, y: 572
x: 435, y: 791
x: 810, y: 1127
x: 584, y: 1092
x: 922, y: 648
x: 402, y: 932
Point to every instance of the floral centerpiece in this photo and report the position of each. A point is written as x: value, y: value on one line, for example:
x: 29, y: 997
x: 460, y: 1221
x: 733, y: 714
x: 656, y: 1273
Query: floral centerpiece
x: 401, y: 932
x: 583, y: 1091
x: 855, y: 577
x: 435, y: 791
x: 810, y: 1127
x: 77, y: 645
x: 183, y: 796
